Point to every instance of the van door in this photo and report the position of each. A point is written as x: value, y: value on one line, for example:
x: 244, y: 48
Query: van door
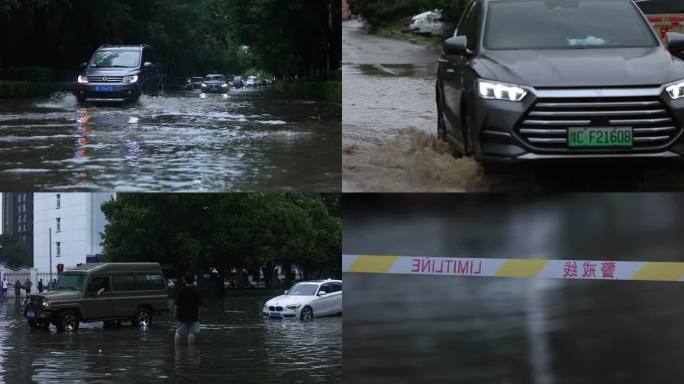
x: 96, y: 307
x: 124, y: 295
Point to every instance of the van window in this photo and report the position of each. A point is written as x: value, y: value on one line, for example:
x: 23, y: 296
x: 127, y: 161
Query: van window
x: 149, y: 282
x: 97, y: 282
x: 123, y: 283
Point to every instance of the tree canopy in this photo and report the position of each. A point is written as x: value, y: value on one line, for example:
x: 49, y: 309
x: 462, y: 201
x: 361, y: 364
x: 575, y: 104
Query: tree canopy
x: 284, y: 37
x: 222, y: 231
x: 14, y: 253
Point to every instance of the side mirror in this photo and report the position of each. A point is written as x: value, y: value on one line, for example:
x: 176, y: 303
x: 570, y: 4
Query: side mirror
x: 84, y: 64
x: 457, y: 45
x: 148, y: 65
x: 675, y: 41
x: 322, y: 293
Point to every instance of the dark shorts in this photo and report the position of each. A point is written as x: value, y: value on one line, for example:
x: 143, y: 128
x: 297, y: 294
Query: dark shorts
x: 183, y: 328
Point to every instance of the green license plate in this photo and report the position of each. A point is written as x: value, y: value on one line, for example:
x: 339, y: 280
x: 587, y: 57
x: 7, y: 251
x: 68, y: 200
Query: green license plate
x: 600, y: 137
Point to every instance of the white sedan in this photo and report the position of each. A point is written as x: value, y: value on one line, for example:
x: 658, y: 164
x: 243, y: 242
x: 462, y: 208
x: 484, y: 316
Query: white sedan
x: 307, y: 300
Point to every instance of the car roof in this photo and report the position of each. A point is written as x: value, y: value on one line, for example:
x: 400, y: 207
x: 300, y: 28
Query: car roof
x: 116, y: 267
x: 215, y: 74
x: 123, y: 47
x: 320, y: 281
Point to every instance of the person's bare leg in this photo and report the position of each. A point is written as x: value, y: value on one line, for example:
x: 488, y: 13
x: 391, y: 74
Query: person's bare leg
x: 191, y: 338
x: 178, y: 338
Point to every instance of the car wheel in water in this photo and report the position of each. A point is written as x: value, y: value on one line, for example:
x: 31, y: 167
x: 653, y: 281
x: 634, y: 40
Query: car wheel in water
x: 441, y: 127
x: 307, y: 314
x: 467, y: 136
x: 67, y: 321
x: 143, y: 317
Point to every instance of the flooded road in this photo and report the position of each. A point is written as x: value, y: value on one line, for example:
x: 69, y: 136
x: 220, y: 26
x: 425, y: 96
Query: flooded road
x: 183, y: 141
x: 408, y: 329
x: 390, y: 124
x: 235, y: 345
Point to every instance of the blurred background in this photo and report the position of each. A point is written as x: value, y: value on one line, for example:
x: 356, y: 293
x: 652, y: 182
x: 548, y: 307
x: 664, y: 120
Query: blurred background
x: 406, y: 329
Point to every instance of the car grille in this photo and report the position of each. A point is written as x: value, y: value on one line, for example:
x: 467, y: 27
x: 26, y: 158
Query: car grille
x: 545, y: 125
x: 272, y: 308
x: 105, y: 79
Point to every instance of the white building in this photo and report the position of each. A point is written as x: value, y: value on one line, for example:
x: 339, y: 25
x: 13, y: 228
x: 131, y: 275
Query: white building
x: 76, y: 222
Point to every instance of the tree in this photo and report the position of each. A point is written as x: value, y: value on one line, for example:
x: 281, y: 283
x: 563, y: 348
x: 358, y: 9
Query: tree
x: 14, y: 253
x: 251, y: 230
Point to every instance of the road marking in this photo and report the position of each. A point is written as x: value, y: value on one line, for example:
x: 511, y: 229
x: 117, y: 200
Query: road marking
x: 530, y: 268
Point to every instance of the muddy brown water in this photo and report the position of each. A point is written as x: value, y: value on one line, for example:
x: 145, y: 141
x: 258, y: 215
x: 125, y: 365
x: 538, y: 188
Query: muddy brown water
x: 183, y: 141
x: 235, y: 345
x: 408, y: 329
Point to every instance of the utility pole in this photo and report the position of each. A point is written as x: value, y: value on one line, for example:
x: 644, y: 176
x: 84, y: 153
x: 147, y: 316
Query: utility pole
x: 50, y: 247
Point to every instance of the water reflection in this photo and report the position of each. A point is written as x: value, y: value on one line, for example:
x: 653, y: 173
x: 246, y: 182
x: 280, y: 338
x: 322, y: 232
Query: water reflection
x: 235, y: 343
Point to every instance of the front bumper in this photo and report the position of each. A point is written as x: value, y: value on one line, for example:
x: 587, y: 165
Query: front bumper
x: 284, y: 313
x: 214, y: 89
x: 505, y: 133
x: 115, y: 91
x: 34, y: 311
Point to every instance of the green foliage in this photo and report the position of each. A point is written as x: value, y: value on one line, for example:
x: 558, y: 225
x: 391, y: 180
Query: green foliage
x: 258, y: 73
x: 13, y: 253
x: 383, y: 12
x: 248, y: 230
x: 19, y: 89
x: 286, y: 38
x: 322, y: 90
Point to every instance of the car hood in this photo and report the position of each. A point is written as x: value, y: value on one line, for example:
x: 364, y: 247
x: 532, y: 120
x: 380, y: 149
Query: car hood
x: 215, y: 82
x: 582, y: 67
x: 111, y: 71
x: 53, y: 296
x: 285, y: 300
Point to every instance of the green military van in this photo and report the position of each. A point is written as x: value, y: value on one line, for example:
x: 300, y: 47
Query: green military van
x: 109, y: 292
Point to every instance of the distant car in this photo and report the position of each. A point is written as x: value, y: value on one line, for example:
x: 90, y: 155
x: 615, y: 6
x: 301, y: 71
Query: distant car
x: 238, y: 82
x: 196, y: 82
x: 215, y: 83
x: 251, y: 82
x: 307, y: 300
x: 119, y: 73
x: 108, y: 292
x: 429, y: 23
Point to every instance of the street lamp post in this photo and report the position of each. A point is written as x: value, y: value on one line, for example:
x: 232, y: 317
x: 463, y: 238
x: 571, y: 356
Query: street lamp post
x: 50, y: 247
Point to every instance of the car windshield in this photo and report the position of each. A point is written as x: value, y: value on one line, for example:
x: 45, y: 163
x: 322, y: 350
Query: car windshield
x: 661, y: 6
x: 197, y: 79
x: 115, y: 59
x: 566, y: 24
x: 71, y: 281
x: 303, y: 290
x: 216, y: 78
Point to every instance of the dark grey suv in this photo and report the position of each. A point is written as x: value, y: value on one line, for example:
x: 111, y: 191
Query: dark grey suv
x: 545, y: 79
x: 119, y: 73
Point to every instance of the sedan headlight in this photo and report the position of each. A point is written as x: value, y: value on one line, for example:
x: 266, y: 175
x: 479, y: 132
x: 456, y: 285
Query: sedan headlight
x: 130, y: 79
x: 45, y: 304
x: 676, y: 90
x: 82, y: 79
x: 293, y: 307
x: 204, y: 85
x: 224, y: 85
x: 499, y: 91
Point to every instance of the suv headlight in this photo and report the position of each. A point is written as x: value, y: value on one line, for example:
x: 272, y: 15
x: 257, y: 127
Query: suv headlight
x: 294, y: 307
x: 45, y: 304
x: 676, y: 90
x: 224, y: 85
x: 493, y: 90
x: 82, y: 79
x: 130, y: 79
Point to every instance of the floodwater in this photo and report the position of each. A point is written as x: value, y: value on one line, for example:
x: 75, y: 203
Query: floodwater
x: 183, y: 141
x: 235, y: 345
x: 389, y: 126
x: 408, y: 329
